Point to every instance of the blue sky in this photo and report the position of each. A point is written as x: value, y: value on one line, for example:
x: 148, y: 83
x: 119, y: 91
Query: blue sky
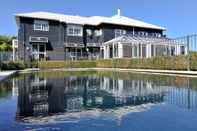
x: 178, y: 16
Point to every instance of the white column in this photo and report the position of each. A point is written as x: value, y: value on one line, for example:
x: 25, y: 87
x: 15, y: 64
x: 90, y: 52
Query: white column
x: 120, y: 50
x: 113, y: 51
x: 186, y: 50
x: 105, y: 52
x: 178, y: 50
x: 148, y: 50
x: 140, y: 50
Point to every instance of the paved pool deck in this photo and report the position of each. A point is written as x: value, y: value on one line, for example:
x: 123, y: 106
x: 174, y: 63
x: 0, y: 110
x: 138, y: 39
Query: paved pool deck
x: 5, y: 74
x: 145, y: 71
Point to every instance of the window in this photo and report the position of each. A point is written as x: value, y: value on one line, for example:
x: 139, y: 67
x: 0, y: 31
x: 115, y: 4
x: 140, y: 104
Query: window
x: 119, y: 32
x: 41, y: 25
x: 182, y: 50
x: 74, y: 30
x: 135, y: 51
x: 89, y: 32
x: 142, y: 33
x: 98, y: 32
x: 38, y: 51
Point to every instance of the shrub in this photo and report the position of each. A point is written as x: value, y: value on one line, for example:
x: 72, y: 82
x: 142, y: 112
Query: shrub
x: 163, y: 63
x: 12, y: 65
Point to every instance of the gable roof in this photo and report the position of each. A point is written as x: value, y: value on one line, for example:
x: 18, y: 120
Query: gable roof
x: 92, y: 20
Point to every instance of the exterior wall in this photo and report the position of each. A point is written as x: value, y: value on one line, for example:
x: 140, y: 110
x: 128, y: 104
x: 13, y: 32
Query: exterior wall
x: 54, y: 35
x: 109, y: 31
x: 58, y: 39
x: 72, y: 41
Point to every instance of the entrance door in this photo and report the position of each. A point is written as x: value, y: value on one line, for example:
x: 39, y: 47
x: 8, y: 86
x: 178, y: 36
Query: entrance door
x: 38, y: 51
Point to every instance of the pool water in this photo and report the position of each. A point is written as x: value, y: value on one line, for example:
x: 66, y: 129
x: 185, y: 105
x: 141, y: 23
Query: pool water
x: 97, y: 100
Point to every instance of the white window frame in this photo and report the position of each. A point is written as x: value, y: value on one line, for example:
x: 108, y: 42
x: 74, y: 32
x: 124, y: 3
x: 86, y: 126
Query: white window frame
x: 119, y: 32
x: 41, y: 25
x: 72, y: 30
x: 98, y: 32
x: 89, y: 32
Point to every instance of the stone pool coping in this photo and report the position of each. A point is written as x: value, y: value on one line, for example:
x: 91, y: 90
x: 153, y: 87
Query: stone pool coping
x: 5, y: 74
x: 147, y: 71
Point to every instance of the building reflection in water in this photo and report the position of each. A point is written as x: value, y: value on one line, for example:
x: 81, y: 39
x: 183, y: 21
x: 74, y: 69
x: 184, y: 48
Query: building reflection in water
x: 41, y: 96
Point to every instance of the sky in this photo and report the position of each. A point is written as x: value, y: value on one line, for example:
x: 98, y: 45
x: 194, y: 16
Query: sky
x: 178, y: 16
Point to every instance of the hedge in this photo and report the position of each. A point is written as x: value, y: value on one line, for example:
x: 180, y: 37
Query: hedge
x: 164, y: 63
x: 17, y: 65
x: 10, y: 65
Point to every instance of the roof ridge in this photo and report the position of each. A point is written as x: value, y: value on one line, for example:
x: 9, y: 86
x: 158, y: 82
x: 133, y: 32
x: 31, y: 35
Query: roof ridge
x: 91, y: 20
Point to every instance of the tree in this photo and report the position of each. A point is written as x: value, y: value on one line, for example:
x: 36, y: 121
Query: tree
x: 5, y: 43
x: 5, y: 47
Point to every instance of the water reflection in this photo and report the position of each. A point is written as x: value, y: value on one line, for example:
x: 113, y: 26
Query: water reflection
x: 45, y: 96
x: 41, y: 96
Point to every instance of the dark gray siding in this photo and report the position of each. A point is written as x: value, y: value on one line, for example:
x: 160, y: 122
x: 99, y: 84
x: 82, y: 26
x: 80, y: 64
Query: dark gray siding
x: 55, y: 37
x: 109, y: 31
x: 71, y: 41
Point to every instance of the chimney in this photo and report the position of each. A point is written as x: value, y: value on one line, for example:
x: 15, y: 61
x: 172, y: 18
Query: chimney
x: 118, y: 12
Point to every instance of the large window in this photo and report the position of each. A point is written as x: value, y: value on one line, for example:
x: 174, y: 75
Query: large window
x: 98, y: 32
x: 119, y: 32
x: 41, y: 25
x: 89, y: 32
x: 38, y: 51
x: 135, y: 51
x: 74, y: 30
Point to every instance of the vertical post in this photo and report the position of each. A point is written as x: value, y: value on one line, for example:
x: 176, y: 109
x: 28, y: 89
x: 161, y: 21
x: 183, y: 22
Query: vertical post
x: 75, y: 53
x: 188, y: 54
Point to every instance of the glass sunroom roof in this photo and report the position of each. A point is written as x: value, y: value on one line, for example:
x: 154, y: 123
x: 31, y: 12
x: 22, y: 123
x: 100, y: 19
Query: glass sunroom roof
x: 130, y: 39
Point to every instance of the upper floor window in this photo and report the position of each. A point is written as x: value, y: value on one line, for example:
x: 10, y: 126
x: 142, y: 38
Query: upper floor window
x: 41, y: 25
x: 156, y: 35
x: 74, y: 30
x: 98, y: 32
x: 119, y: 32
x: 142, y: 33
x: 89, y: 32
